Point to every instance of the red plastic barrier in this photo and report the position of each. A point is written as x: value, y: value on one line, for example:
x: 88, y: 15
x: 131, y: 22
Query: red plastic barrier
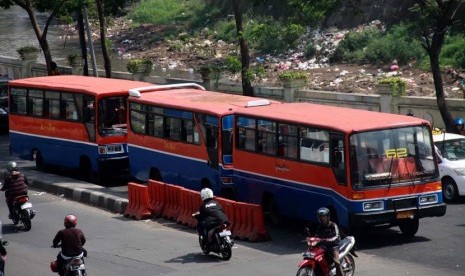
x: 229, y: 207
x: 249, y: 223
x: 189, y: 204
x: 157, y: 200
x: 138, y: 206
x: 172, y: 201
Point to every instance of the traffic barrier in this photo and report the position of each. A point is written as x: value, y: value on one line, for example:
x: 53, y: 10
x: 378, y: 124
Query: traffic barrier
x: 156, y: 190
x: 138, y: 206
x: 228, y: 207
x: 249, y: 223
x: 172, y: 200
x: 189, y: 204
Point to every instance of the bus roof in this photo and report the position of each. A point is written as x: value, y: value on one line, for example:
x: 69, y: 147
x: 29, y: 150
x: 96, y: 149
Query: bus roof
x: 200, y: 100
x: 342, y: 119
x: 75, y: 83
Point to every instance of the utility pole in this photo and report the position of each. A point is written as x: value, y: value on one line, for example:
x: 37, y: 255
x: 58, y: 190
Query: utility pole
x: 89, y: 37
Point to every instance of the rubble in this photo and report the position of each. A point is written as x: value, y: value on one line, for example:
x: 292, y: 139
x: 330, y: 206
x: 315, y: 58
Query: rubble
x: 186, y: 53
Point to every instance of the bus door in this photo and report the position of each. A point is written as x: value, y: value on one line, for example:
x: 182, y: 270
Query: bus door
x: 337, y: 161
x: 89, y: 116
x: 209, y: 131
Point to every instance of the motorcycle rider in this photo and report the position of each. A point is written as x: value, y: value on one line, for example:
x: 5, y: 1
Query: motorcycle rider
x: 329, y: 232
x: 15, y: 184
x: 72, y: 240
x: 211, y: 214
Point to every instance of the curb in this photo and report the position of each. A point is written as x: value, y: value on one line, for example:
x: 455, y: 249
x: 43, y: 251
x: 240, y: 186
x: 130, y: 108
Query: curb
x: 79, y: 192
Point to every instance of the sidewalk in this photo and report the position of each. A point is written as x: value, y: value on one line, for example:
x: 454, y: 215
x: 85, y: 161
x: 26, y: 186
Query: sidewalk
x: 113, y: 199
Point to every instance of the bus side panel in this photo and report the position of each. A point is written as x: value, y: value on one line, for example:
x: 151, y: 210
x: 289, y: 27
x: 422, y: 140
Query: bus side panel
x: 142, y: 159
x: 299, y: 189
x: 55, y: 139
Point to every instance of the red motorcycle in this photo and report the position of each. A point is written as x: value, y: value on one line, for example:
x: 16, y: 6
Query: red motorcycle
x: 314, y: 262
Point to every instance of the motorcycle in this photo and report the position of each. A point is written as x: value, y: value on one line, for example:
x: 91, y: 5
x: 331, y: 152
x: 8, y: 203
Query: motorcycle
x: 221, y: 241
x: 74, y: 266
x: 314, y: 262
x: 23, y: 212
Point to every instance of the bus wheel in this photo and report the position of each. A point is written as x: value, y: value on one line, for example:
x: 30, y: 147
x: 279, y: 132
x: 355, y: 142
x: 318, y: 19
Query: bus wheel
x: 409, y: 227
x: 449, y: 190
x: 155, y: 174
x: 270, y: 210
x: 39, y: 160
x: 85, y: 170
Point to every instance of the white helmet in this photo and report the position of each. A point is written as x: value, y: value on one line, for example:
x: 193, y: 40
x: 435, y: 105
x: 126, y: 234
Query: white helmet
x: 206, y: 193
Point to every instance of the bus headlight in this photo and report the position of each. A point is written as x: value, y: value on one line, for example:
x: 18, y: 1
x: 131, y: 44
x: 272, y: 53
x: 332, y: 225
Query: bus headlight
x: 428, y: 199
x: 373, y: 206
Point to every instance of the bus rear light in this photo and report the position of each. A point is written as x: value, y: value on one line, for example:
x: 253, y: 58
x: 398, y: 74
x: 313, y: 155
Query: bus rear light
x: 227, y: 180
x: 358, y: 195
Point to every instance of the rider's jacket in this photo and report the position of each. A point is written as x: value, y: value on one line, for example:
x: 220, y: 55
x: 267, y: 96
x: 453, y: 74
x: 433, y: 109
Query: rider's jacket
x: 15, y: 184
x: 329, y: 232
x: 72, y: 239
x: 212, y: 213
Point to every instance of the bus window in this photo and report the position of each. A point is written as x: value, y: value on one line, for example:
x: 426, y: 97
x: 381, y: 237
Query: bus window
x: 18, y: 101
x: 35, y: 101
x: 70, y: 107
x: 52, y: 104
x: 111, y: 122
x: 89, y: 116
x: 266, y: 137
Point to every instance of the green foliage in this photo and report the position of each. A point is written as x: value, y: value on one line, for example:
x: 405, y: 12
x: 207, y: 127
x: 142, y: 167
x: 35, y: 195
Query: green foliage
x: 73, y: 59
x: 311, y: 12
x: 292, y: 75
x: 226, y: 31
x: 27, y: 49
x: 165, y: 11
x: 310, y: 51
x: 270, y: 35
x: 139, y: 65
x: 233, y: 64
x: 453, y: 52
x: 256, y: 72
x: 377, y: 47
x: 396, y: 84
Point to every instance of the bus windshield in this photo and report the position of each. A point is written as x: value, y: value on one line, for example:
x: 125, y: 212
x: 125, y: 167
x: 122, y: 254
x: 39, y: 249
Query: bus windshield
x: 112, y: 116
x: 391, y: 156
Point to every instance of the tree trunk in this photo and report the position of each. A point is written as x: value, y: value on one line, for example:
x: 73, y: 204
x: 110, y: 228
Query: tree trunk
x: 41, y: 36
x: 106, y: 57
x: 247, y: 89
x: 82, y: 42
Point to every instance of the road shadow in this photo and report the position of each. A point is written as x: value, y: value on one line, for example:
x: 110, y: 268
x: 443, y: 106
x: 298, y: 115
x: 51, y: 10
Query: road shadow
x: 196, y: 258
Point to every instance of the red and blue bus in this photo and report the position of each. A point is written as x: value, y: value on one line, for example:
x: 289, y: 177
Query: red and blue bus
x: 182, y: 134
x: 71, y: 121
x: 368, y: 168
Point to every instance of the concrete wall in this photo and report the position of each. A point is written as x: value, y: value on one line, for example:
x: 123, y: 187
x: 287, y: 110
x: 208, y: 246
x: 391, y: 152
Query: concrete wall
x: 422, y: 107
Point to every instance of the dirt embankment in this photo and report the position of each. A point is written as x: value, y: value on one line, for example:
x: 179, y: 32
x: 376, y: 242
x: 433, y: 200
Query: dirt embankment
x: 188, y: 54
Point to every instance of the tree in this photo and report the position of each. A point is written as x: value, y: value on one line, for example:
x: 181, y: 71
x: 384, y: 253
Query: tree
x: 53, y: 7
x: 436, y: 18
x: 245, y: 57
x: 106, y: 57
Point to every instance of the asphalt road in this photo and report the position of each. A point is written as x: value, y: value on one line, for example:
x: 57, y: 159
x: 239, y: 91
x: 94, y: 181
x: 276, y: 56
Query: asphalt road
x: 121, y: 246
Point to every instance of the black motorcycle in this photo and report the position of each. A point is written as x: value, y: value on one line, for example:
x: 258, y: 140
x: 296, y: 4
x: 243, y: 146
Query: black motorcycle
x: 23, y: 212
x: 221, y: 241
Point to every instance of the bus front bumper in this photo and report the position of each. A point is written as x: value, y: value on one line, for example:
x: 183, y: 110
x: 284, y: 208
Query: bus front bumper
x: 358, y: 220
x: 114, y: 166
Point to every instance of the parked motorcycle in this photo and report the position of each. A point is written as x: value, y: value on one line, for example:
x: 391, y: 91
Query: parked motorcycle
x: 314, y: 262
x: 23, y: 212
x: 74, y: 266
x: 221, y: 241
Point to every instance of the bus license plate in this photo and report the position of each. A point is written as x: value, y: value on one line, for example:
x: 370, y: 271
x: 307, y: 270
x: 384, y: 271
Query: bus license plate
x: 405, y: 215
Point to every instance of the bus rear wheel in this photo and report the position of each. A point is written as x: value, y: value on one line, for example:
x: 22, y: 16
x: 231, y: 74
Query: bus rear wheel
x: 39, y: 160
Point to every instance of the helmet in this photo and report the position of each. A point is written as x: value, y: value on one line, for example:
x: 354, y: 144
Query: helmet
x: 54, y: 266
x: 12, y: 166
x: 323, y: 212
x: 206, y: 193
x: 70, y: 221
x: 458, y: 121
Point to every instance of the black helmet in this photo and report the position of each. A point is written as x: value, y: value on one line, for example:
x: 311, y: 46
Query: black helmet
x: 322, y: 212
x: 12, y: 166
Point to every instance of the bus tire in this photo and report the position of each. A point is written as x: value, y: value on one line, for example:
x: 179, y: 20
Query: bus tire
x: 85, y: 169
x: 409, y: 227
x: 270, y: 209
x: 155, y: 174
x: 205, y: 183
x: 39, y: 160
